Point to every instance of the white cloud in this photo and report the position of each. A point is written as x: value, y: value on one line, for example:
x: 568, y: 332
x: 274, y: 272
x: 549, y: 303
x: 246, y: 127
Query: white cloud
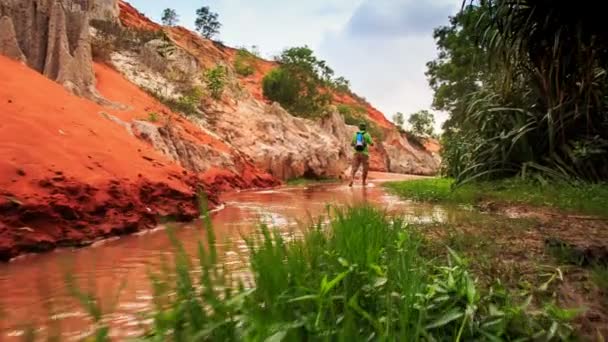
x: 384, y: 53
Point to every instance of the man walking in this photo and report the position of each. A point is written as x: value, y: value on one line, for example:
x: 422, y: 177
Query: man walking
x: 361, y: 142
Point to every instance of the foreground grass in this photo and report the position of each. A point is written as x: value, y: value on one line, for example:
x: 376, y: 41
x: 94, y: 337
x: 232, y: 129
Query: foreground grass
x: 582, y: 198
x: 363, y: 276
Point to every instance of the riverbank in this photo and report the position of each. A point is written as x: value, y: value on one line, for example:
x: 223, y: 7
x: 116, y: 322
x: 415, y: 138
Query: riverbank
x: 364, y: 273
x: 581, y: 198
x: 527, y: 234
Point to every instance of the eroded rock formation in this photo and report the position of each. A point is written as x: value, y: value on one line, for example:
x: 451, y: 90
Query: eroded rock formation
x: 104, y: 10
x: 52, y: 37
x: 284, y: 145
x: 405, y: 158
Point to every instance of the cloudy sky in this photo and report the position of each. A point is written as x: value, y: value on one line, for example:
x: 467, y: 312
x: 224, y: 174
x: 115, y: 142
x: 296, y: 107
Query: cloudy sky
x: 381, y: 46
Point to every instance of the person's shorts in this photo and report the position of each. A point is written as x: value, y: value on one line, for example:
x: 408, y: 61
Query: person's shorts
x: 360, y: 159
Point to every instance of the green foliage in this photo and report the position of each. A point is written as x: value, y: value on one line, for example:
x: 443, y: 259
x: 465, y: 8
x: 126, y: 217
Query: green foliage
x: 170, y: 17
x: 215, y: 79
x: 599, y: 276
x: 399, y: 120
x: 296, y: 84
x: 354, y: 115
x: 207, y: 23
x: 186, y: 104
x: 302, y: 82
x: 253, y: 50
x: 190, y: 101
x: 110, y: 36
x: 280, y: 86
x: 459, y: 69
x: 528, y: 79
x: 362, y: 276
x: 153, y: 117
x: 342, y: 85
x: 244, y: 63
x: 581, y: 198
x: 421, y: 123
x: 457, y: 150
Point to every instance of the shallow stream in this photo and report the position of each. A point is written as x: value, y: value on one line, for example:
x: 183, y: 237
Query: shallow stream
x: 33, y: 288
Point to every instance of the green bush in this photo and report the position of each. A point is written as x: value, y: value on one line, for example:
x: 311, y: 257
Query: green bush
x: 298, y: 82
x: 215, y: 79
x: 186, y: 104
x: 354, y: 115
x: 153, y: 117
x: 190, y: 101
x: 244, y: 63
x: 279, y: 85
x: 421, y: 123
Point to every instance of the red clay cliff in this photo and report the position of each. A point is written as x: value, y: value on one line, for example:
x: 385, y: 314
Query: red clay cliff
x: 68, y: 175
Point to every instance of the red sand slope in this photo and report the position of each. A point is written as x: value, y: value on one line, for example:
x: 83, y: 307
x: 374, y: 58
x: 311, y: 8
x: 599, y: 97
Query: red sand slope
x: 68, y: 175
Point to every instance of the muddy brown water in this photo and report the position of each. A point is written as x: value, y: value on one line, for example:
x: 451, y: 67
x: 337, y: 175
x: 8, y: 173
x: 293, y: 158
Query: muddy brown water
x: 33, y: 288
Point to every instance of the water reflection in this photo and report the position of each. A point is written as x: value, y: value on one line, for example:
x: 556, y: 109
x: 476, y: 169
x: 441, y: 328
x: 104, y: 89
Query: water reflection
x: 32, y: 289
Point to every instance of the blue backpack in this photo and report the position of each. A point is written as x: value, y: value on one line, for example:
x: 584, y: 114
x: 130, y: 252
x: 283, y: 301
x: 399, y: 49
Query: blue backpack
x: 360, y: 142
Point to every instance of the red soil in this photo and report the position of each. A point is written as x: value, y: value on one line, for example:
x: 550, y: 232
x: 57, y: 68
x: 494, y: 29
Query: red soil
x: 432, y: 145
x: 69, y: 176
x: 131, y: 17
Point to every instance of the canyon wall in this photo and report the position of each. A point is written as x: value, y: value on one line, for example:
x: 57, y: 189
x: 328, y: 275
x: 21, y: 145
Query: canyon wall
x: 53, y: 38
x: 91, y: 148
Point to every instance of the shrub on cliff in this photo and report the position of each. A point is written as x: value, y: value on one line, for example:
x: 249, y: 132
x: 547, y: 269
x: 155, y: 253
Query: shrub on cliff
x: 110, y: 36
x: 342, y: 85
x: 399, y: 121
x: 353, y: 115
x: 280, y: 86
x: 186, y: 104
x: 297, y: 83
x: 244, y: 63
x: 215, y: 79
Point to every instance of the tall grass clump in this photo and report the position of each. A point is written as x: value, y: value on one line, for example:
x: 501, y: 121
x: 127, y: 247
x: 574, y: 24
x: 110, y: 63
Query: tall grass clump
x: 362, y: 275
x: 525, y: 82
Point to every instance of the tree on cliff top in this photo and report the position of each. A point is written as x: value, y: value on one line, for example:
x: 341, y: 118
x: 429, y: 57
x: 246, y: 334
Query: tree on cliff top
x: 207, y: 23
x: 422, y: 123
x: 170, y: 17
x: 399, y: 120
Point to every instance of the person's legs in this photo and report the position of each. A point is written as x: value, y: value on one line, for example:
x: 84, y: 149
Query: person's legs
x: 365, y: 163
x: 355, y: 167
